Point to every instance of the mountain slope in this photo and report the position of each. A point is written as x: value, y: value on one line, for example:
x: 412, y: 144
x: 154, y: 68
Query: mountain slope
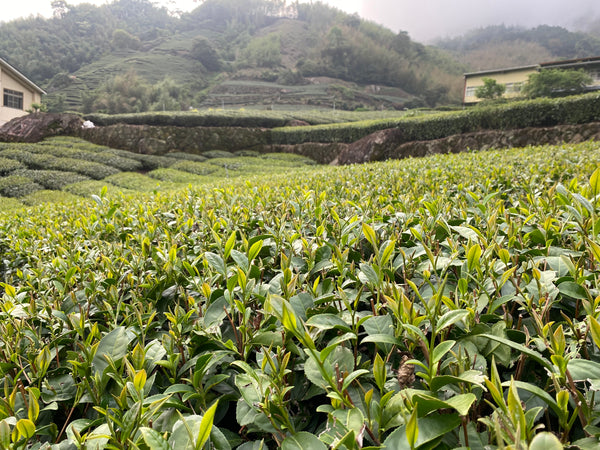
x: 508, y: 46
x: 130, y: 56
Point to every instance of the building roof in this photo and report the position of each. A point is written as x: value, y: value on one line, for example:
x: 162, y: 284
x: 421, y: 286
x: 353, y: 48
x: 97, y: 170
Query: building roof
x: 18, y: 75
x: 572, y: 62
x: 507, y: 69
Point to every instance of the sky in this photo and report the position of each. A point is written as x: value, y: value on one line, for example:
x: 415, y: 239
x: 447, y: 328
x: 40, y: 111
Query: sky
x: 424, y: 20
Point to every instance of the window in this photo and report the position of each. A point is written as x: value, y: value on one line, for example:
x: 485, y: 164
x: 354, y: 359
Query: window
x: 513, y: 88
x: 470, y: 92
x: 13, y: 99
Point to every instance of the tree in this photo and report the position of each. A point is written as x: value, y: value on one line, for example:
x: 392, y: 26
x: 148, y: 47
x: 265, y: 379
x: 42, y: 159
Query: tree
x: 204, y: 52
x: 490, y: 90
x: 556, y: 83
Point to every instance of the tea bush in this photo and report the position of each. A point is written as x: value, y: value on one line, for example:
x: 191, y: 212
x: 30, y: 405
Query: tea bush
x: 51, y: 179
x: 17, y: 186
x: 174, y: 176
x: 8, y: 165
x: 138, y: 182
x: 445, y: 302
x: 517, y: 114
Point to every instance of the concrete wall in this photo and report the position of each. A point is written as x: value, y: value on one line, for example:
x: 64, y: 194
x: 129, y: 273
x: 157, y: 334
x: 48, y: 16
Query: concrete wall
x: 513, y: 79
x: 7, y: 81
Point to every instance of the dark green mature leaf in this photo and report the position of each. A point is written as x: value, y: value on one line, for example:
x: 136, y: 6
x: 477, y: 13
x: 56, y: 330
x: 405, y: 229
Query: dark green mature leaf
x: 430, y: 428
x: 327, y: 322
x: 520, y: 348
x: 114, y: 345
x: 573, y: 290
x: 583, y: 369
x: 302, y: 441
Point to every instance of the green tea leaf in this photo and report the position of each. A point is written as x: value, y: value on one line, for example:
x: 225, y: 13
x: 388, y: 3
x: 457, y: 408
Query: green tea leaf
x: 545, y: 441
x: 450, y: 318
x: 430, y: 428
x: 473, y: 257
x: 206, y: 425
x: 302, y: 441
x: 153, y: 439
x: 113, y: 345
x: 441, y: 349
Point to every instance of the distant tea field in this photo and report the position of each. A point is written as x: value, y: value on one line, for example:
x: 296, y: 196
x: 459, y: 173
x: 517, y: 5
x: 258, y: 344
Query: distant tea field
x: 60, y: 169
x: 251, y: 302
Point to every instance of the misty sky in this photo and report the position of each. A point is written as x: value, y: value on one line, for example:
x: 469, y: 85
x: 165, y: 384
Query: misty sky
x: 422, y: 19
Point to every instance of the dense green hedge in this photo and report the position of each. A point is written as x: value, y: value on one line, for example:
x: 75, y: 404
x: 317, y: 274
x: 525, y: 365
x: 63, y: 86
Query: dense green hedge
x: 521, y: 114
x: 17, y: 186
x: 237, y: 118
x: 51, y: 179
x: 8, y: 165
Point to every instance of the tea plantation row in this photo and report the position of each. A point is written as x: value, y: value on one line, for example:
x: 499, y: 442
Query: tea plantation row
x: 443, y: 302
x: 64, y: 168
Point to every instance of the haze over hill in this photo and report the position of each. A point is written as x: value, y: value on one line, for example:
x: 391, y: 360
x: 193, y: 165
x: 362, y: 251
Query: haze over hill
x: 131, y: 56
x: 423, y: 20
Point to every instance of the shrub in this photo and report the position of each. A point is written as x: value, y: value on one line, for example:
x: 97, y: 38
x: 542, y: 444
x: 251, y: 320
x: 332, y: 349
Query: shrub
x: 9, y: 204
x: 186, y: 156
x: 52, y: 179
x: 49, y: 196
x: 195, y: 167
x: 218, y: 154
x: 519, y: 114
x: 94, y: 187
x: 137, y: 182
x: 8, y: 165
x: 175, y: 176
x: 17, y: 186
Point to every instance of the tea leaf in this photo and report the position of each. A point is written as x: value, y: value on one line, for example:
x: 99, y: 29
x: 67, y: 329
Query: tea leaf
x: 206, y: 425
x: 113, y: 345
x: 302, y: 441
x: 153, y: 439
x: 545, y: 441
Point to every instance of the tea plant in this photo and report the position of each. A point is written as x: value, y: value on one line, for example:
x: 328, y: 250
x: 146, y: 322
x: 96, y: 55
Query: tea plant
x: 443, y: 302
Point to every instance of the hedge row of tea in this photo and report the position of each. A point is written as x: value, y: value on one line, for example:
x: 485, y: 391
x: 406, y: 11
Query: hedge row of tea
x: 443, y: 302
x: 521, y: 114
x: 64, y: 168
x: 237, y: 118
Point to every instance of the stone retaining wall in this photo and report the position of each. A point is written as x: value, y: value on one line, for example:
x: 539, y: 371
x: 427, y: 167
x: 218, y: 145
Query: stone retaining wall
x: 385, y: 144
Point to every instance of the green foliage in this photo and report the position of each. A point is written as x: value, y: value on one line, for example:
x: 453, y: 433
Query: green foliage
x: 453, y: 306
x: 264, y: 51
x: 557, y: 41
x: 82, y: 55
x: 8, y: 165
x: 490, y: 90
x: 518, y: 114
x: 203, y: 51
x: 17, y: 186
x: 556, y: 83
x: 122, y: 40
x: 238, y: 118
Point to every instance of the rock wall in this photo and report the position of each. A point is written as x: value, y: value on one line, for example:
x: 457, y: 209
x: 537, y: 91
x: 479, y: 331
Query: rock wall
x: 37, y: 126
x: 385, y: 144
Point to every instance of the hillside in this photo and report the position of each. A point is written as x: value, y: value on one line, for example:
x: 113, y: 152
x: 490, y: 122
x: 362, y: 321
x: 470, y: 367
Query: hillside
x: 509, y: 46
x: 130, y: 56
